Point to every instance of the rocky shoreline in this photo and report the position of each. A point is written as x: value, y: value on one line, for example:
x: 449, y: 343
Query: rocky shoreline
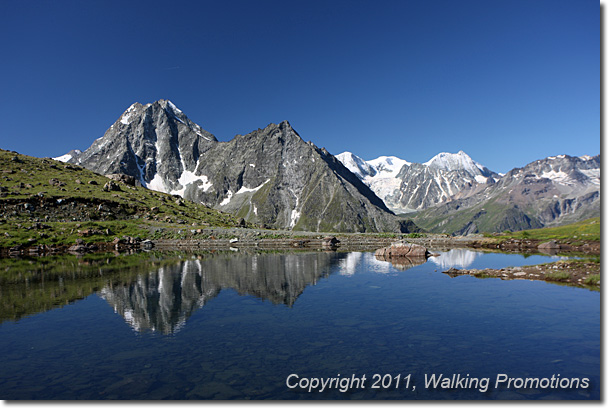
x: 571, y: 272
x: 235, y: 238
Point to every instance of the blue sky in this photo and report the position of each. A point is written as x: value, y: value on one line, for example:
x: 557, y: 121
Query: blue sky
x: 508, y: 82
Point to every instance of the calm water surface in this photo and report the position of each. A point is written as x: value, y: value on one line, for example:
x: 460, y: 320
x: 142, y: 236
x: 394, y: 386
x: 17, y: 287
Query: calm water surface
x: 237, y: 326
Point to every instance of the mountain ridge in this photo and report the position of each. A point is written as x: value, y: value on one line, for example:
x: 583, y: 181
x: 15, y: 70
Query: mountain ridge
x: 400, y: 187
x: 548, y: 192
x: 270, y: 177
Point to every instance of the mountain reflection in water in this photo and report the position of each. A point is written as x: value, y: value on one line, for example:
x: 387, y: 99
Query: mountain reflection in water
x: 159, y: 293
x: 164, y: 299
x: 455, y: 258
x: 182, y: 331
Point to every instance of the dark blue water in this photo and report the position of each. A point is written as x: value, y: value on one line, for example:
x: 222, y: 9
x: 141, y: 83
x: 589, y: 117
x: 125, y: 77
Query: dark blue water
x: 238, y: 327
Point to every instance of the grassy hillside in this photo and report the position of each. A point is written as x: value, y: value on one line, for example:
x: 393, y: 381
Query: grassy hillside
x: 587, y: 230
x: 43, y: 201
x: 491, y: 216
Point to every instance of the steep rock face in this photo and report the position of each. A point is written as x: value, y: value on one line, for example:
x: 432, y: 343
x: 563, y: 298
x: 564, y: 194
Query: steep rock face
x: 155, y: 143
x: 423, y: 186
x: 552, y: 191
x: 269, y: 176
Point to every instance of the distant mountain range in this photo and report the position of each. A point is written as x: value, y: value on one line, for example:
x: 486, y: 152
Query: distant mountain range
x: 408, y: 187
x: 453, y: 194
x: 273, y: 178
x: 552, y: 191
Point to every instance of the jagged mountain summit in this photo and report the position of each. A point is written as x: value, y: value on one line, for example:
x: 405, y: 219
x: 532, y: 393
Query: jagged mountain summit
x: 270, y: 176
x: 155, y: 143
x: 273, y: 177
x: 552, y: 191
x: 460, y: 162
x: 409, y: 187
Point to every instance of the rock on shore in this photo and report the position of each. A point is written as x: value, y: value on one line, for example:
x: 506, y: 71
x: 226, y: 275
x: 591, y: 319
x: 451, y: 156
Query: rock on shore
x: 403, y: 255
x: 403, y: 249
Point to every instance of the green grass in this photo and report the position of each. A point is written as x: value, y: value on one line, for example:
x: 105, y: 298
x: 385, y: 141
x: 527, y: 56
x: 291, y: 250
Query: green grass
x: 131, y: 211
x: 587, y: 230
x: 487, y: 217
x: 592, y: 280
x: 557, y: 276
x: 416, y: 235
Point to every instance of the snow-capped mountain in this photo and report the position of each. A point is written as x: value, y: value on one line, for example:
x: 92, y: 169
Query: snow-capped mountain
x: 555, y: 190
x: 269, y: 176
x: 379, y: 174
x: 407, y: 187
x: 272, y: 177
x: 357, y: 165
x: 382, y: 167
x: 460, y: 162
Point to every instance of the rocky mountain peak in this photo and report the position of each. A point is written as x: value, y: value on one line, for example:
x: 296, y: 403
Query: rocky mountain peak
x: 551, y: 191
x: 283, y: 127
x: 269, y: 177
x: 454, y: 162
x: 156, y: 143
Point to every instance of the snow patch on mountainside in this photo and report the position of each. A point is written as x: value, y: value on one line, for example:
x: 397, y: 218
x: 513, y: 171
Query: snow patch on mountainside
x: 355, y: 164
x: 227, y: 199
x: 557, y: 176
x: 64, y: 158
x: 126, y: 117
x: 189, y: 177
x: 67, y: 157
x: 156, y: 184
x: 592, y: 174
x: 243, y: 189
x: 387, y: 167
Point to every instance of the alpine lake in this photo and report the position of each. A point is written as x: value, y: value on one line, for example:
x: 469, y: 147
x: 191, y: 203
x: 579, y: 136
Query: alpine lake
x: 292, y: 326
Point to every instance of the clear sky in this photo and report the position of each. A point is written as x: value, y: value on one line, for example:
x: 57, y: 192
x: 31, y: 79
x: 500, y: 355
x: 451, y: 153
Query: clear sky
x: 506, y: 81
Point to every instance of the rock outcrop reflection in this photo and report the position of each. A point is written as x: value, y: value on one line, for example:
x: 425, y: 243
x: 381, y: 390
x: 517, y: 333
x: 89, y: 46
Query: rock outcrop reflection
x: 162, y: 300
